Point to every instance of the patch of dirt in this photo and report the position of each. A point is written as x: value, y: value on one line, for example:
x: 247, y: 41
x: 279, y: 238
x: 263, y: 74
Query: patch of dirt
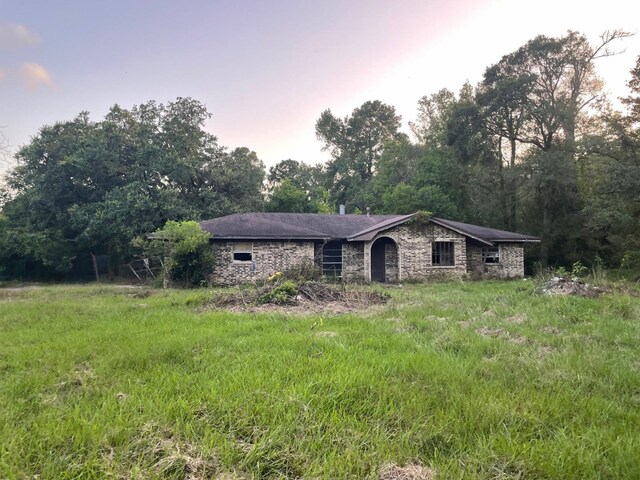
x: 552, y: 330
x: 171, y: 456
x: 517, y: 319
x: 567, y: 286
x: 435, y: 319
x: 391, y: 471
x: 502, y: 334
x: 492, y: 332
x: 310, y: 298
x: 328, y: 334
x: 544, y: 351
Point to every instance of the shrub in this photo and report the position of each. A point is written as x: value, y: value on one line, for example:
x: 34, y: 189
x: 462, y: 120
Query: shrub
x: 281, y: 294
x: 185, y: 247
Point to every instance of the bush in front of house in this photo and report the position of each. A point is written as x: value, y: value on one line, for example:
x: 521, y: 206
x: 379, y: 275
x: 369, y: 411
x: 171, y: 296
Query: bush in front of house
x: 188, y: 258
x: 281, y: 294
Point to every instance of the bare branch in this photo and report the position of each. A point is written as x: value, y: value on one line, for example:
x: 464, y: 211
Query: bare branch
x: 604, y: 50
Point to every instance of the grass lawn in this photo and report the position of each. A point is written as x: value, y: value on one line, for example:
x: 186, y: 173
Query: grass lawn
x: 471, y: 380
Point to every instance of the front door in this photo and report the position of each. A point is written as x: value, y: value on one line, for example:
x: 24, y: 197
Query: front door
x: 378, y: 273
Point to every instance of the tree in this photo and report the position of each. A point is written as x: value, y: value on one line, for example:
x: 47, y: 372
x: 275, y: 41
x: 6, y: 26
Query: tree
x: 356, y: 144
x: 546, y: 87
x: 81, y: 186
x: 286, y: 197
x: 294, y: 186
x: 633, y: 100
x: 611, y: 171
x: 434, y: 112
x: 502, y: 101
x: 185, y: 248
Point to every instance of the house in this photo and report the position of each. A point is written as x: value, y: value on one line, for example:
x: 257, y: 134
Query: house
x: 361, y: 248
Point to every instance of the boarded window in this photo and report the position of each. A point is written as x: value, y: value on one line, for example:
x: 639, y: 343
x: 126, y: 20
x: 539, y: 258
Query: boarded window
x: 442, y: 254
x: 243, y: 251
x: 332, y: 259
x: 491, y: 255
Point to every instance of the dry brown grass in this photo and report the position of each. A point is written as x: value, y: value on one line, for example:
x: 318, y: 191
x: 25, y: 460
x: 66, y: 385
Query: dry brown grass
x: 391, y: 471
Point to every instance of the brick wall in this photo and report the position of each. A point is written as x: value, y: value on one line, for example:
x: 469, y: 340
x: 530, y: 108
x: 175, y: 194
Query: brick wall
x: 410, y: 261
x: 268, y: 258
x: 353, y: 262
x: 511, y: 263
x: 414, y: 252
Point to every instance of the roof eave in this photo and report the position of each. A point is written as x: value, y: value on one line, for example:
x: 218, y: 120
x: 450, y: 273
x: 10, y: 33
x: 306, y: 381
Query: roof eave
x: 462, y: 232
x: 518, y: 240
x: 370, y: 232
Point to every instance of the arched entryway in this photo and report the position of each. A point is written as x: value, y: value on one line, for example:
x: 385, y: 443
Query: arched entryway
x: 384, y: 260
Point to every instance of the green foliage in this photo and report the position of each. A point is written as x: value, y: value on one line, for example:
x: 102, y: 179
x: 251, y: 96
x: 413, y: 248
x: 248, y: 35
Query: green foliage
x: 288, y: 198
x: 405, y: 199
x: 82, y: 186
x: 280, y: 294
x: 579, y: 270
x: 297, y: 188
x: 630, y: 261
x: 474, y: 380
x: 189, y: 259
x: 356, y: 144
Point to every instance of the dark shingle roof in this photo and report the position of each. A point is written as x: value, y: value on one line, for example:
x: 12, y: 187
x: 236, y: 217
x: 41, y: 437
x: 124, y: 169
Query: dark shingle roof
x: 311, y: 226
x: 294, y: 226
x: 484, y: 233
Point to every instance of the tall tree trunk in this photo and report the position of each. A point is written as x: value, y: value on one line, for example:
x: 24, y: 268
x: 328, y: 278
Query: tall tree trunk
x: 547, y: 219
x: 512, y: 187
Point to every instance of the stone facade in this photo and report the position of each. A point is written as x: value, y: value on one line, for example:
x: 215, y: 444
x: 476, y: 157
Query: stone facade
x: 391, y: 265
x: 511, y: 264
x: 408, y: 257
x: 353, y: 262
x: 267, y: 259
x: 414, y: 249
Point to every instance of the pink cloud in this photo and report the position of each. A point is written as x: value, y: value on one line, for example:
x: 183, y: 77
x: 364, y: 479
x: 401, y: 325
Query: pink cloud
x: 13, y: 36
x: 35, y: 76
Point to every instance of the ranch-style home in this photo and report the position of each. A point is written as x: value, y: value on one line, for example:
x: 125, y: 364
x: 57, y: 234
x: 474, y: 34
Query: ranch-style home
x: 361, y: 248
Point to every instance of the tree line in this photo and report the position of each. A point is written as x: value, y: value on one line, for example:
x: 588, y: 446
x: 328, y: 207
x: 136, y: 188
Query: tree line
x: 534, y: 147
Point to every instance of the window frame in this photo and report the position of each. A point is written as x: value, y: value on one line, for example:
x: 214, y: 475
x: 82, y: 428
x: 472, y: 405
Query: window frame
x: 325, y: 265
x: 485, y: 255
x: 241, y: 248
x: 438, y: 254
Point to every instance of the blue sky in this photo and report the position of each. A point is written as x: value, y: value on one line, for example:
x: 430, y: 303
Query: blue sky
x: 266, y: 69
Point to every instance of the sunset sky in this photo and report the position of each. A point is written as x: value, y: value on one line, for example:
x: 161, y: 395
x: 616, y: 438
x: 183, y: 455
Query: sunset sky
x: 267, y: 69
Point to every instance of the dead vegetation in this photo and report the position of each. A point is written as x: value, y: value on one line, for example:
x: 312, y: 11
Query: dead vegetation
x: 567, y: 286
x: 391, y: 471
x: 167, y: 455
x: 309, y: 297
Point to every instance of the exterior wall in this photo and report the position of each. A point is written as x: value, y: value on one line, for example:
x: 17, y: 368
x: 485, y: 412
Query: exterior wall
x: 353, y: 262
x: 411, y: 260
x: 268, y: 258
x: 414, y: 252
x: 391, y: 265
x: 511, y: 262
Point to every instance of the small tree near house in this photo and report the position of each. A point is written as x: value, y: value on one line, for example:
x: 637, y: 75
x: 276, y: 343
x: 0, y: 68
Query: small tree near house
x: 185, y: 247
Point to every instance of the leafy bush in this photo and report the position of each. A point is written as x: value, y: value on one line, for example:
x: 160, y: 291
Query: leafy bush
x: 281, y: 294
x: 185, y: 246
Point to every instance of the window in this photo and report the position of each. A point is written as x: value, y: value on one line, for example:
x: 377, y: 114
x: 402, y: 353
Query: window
x: 243, y: 251
x: 491, y: 255
x: 332, y: 259
x: 442, y: 254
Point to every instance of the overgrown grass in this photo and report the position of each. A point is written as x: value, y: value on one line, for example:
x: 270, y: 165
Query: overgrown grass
x: 474, y: 380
